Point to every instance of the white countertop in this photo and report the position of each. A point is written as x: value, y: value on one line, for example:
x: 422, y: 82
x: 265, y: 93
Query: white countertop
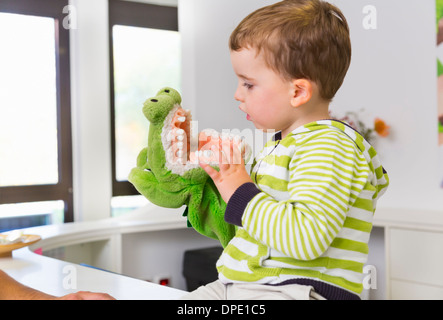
x: 409, y: 218
x: 59, y: 278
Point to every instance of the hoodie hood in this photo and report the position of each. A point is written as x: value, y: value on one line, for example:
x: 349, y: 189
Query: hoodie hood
x: 380, y: 178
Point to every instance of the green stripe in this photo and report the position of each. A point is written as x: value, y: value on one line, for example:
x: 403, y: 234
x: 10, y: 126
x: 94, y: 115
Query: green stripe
x: 337, y: 179
x: 357, y: 170
x: 341, y: 282
x: 331, y: 217
x: 379, y: 172
x: 239, y: 275
x: 276, y: 183
x: 233, y: 251
x: 288, y: 142
x: 281, y: 161
x: 326, y: 262
x: 364, y: 204
x: 346, y: 244
x: 356, y: 224
x: 359, y: 142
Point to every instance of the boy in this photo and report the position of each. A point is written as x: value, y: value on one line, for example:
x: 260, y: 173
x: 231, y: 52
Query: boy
x: 304, y: 215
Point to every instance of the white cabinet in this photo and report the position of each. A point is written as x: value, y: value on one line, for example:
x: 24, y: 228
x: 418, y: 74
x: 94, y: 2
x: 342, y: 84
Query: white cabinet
x: 414, y: 254
x: 406, y: 290
x: 415, y: 260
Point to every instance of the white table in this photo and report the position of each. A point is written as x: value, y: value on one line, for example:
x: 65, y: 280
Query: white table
x: 59, y: 278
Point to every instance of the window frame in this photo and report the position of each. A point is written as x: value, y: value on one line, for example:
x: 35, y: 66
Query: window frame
x: 63, y: 189
x: 133, y: 14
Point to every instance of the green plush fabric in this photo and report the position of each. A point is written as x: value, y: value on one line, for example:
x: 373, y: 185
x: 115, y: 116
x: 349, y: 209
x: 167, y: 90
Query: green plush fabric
x: 192, y: 188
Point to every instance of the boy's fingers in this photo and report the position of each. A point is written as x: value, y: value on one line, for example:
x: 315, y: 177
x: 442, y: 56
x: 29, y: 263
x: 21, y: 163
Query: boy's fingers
x: 223, y: 163
x: 214, y: 174
x: 237, y: 154
x: 228, y: 153
x: 232, y: 153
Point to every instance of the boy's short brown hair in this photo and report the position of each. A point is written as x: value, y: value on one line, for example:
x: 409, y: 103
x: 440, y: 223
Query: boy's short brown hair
x: 300, y: 39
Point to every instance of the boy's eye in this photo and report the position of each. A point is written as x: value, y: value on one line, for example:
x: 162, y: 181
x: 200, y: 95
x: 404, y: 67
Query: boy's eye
x: 247, y: 85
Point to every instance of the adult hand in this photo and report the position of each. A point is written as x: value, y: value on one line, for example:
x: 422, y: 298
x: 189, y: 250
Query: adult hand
x: 86, y: 295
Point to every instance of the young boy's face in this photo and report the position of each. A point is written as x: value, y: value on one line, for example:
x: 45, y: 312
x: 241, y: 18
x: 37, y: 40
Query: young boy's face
x: 264, y: 95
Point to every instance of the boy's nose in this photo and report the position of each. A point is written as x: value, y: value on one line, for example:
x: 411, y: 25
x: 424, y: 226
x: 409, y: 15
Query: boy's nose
x: 237, y: 95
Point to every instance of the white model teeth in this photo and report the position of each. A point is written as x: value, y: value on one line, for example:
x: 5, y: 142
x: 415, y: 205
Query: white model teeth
x: 182, y: 119
x: 207, y: 153
x: 180, y: 134
x: 211, y: 133
x: 180, y: 145
x: 225, y: 136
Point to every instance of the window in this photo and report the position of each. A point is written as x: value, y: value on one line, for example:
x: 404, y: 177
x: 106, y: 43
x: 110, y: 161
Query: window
x: 35, y: 122
x: 145, y: 56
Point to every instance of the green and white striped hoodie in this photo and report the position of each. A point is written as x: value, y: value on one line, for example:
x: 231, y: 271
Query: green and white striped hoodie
x: 308, y: 217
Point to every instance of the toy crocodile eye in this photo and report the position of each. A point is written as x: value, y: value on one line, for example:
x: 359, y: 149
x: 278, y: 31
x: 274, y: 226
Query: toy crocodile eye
x: 167, y: 90
x: 154, y: 100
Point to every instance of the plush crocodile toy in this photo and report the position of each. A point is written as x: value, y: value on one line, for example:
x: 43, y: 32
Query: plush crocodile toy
x: 168, y: 172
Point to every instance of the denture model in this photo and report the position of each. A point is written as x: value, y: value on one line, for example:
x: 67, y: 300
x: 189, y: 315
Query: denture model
x: 168, y: 173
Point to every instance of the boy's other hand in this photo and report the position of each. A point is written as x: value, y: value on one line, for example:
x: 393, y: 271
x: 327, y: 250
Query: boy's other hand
x: 232, y: 173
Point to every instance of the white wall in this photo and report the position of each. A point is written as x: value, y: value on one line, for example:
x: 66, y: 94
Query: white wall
x: 392, y: 76
x: 208, y: 80
x: 91, y: 113
x: 91, y: 130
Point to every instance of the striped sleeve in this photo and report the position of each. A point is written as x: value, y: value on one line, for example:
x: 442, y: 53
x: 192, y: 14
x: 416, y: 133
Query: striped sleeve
x: 325, y: 176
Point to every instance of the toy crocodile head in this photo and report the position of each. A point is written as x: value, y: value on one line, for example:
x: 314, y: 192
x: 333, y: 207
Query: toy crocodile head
x: 168, y: 172
x: 172, y: 126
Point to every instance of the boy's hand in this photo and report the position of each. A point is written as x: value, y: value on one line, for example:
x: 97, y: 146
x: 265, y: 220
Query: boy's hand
x: 232, y: 172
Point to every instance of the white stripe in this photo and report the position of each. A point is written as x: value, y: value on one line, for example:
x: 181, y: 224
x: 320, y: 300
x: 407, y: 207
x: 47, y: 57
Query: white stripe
x: 245, y: 246
x: 361, y: 214
x: 231, y: 263
x: 342, y: 254
x: 291, y: 239
x: 283, y: 230
x: 248, y: 213
x: 274, y: 171
x: 267, y: 280
x: 354, y: 235
x: 276, y: 194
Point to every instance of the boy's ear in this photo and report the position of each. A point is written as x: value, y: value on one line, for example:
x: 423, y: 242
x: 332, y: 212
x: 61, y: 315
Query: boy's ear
x: 301, y: 92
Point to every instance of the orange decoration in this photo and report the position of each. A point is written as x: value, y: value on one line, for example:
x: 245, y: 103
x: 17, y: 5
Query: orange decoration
x: 381, y: 127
